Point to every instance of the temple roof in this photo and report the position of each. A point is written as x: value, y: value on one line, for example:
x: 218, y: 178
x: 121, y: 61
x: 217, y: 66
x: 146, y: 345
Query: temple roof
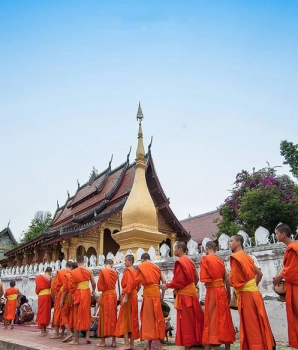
x: 7, y: 231
x: 202, y: 226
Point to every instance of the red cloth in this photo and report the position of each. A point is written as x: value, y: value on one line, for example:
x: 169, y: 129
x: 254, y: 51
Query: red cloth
x: 107, y: 319
x: 290, y: 274
x: 152, y: 320
x: 255, y: 331
x: 218, y: 325
x: 82, y: 299
x: 11, y: 305
x: 57, y: 284
x: 44, y: 301
x: 67, y: 309
x: 190, y: 318
x: 128, y: 315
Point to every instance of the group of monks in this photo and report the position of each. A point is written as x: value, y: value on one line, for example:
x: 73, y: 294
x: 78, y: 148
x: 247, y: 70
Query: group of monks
x: 212, y: 327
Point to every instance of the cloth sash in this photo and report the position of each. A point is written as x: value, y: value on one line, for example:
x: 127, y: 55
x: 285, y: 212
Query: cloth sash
x: 249, y: 286
x: 152, y: 290
x: 83, y: 285
x: 108, y: 292
x: 189, y: 290
x: 215, y: 284
x: 133, y: 292
x: 44, y: 292
x: 61, y: 289
x: 12, y: 297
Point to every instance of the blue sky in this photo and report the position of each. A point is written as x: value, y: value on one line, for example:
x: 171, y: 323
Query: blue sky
x: 217, y: 81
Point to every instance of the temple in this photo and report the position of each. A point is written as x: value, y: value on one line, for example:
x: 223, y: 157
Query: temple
x: 7, y: 241
x: 116, y: 209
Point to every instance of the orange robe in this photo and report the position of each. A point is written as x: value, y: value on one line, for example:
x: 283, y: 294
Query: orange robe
x: 218, y: 324
x: 190, y: 317
x: 255, y: 331
x: 128, y: 315
x: 81, y: 298
x: 107, y: 303
x: 11, y: 295
x: 290, y: 274
x: 152, y: 320
x: 42, y: 289
x: 57, y: 284
x: 67, y: 310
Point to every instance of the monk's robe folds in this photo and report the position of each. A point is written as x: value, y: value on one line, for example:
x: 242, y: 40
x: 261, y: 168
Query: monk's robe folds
x: 11, y: 295
x: 190, y: 318
x: 43, y: 291
x: 67, y: 311
x: 128, y: 315
x: 255, y: 331
x: 57, y: 284
x: 107, y: 319
x: 290, y: 274
x: 218, y: 325
x: 79, y: 287
x: 152, y: 320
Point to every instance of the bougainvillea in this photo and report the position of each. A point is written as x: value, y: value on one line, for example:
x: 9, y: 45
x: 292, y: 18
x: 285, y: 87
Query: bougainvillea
x: 261, y: 198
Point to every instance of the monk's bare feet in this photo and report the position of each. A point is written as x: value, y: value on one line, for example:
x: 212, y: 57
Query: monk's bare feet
x: 11, y: 326
x: 67, y: 338
x: 125, y: 347
x: 55, y: 336
x: 73, y: 342
x: 101, y: 345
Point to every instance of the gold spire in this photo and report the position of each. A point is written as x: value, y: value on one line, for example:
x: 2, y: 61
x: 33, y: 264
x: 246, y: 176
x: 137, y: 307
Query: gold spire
x: 140, y: 149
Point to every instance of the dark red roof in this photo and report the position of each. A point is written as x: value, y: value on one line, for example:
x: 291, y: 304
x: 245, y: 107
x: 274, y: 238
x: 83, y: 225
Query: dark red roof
x: 202, y: 226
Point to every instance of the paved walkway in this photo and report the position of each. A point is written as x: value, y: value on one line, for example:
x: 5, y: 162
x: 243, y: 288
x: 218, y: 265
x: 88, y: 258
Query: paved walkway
x: 27, y: 338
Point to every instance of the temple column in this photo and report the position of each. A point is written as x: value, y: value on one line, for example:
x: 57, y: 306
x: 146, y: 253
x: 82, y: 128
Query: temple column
x: 72, y: 251
x: 65, y: 249
x: 173, y: 241
x: 54, y: 252
x: 101, y: 239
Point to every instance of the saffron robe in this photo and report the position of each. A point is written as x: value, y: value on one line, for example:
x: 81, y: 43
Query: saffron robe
x: 79, y: 287
x: 11, y: 295
x: 218, y: 324
x: 255, y: 331
x: 290, y: 274
x: 190, y: 317
x: 57, y: 284
x: 152, y: 320
x: 127, y: 322
x: 67, y: 309
x: 107, y: 303
x: 42, y: 289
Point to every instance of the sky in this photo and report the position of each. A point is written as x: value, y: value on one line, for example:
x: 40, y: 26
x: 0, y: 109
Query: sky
x: 217, y: 81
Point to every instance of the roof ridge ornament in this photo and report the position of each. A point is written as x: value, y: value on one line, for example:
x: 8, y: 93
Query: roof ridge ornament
x: 57, y: 204
x: 140, y: 115
x: 8, y: 224
x: 110, y: 162
x: 129, y: 154
x: 78, y: 183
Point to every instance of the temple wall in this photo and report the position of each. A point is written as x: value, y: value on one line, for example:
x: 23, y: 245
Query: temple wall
x: 269, y: 257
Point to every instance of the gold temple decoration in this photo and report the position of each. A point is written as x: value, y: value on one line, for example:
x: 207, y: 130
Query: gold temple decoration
x: 139, y: 215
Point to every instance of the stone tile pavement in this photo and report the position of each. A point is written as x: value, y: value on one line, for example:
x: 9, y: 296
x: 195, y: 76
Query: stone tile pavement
x: 27, y: 338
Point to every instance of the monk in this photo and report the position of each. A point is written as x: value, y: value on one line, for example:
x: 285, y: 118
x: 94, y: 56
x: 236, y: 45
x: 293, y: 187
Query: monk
x: 290, y: 274
x: 66, y: 318
x: 190, y: 317
x: 79, y: 287
x: 255, y: 331
x: 43, y: 290
x: 56, y: 289
x: 11, y: 295
x: 107, y: 303
x: 152, y: 320
x: 127, y: 323
x: 218, y: 325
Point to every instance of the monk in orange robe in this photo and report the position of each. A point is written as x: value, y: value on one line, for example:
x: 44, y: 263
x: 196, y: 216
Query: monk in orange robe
x: 218, y: 324
x: 79, y: 287
x: 255, y: 331
x: 43, y: 290
x: 66, y: 317
x: 152, y: 320
x: 107, y: 304
x: 190, y: 317
x: 56, y: 289
x: 11, y: 295
x: 127, y: 323
x: 290, y: 274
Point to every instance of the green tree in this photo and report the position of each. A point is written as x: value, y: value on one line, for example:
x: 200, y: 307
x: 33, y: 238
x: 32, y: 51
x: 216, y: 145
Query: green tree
x: 259, y: 199
x: 39, y: 224
x: 290, y: 152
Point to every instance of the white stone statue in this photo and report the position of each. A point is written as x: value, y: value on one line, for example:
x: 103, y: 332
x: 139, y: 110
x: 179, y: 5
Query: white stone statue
x: 152, y: 253
x: 92, y: 261
x: 53, y: 265
x: 247, y: 241
x: 9, y: 270
x: 2, y: 272
x: 110, y: 256
x: 57, y: 265
x: 86, y: 260
x: 164, y: 251
x: 63, y: 264
x: 262, y: 236
x: 17, y: 270
x: 26, y: 268
x: 21, y: 269
x: 13, y: 271
x: 45, y: 265
x: 35, y: 267
x: 224, y: 242
x: 119, y: 257
x: 192, y: 247
x: 140, y: 251
x: 30, y: 268
x: 204, y: 242
x: 101, y: 260
x: 129, y: 252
